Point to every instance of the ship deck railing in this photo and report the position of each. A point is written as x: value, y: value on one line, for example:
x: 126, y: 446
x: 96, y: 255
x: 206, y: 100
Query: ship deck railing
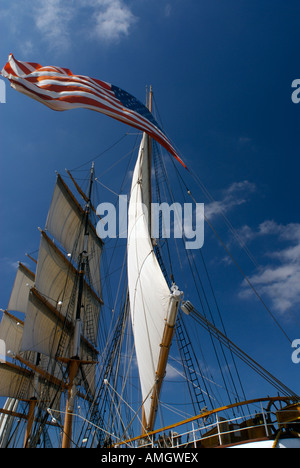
x: 210, y: 429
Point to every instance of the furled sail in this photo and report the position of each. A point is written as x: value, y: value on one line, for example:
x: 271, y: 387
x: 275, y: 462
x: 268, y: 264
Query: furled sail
x: 149, y: 294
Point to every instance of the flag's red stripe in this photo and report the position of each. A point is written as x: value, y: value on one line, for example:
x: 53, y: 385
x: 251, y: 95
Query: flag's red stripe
x: 9, y: 70
x: 62, y: 84
x: 119, y: 109
x: 109, y: 97
x: 125, y: 116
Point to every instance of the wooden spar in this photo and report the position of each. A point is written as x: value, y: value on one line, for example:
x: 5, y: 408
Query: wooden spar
x: 31, y: 258
x: 160, y: 373
x: 61, y: 319
x: 32, y: 403
x: 45, y: 375
x: 30, y: 417
x: 70, y: 266
x: 74, y: 365
x: 81, y: 193
x: 24, y: 416
x: 165, y: 346
x: 31, y: 411
x: 32, y: 406
x: 67, y: 435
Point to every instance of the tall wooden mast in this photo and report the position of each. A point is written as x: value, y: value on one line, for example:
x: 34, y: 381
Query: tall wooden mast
x: 150, y: 163
x: 149, y: 157
x: 170, y: 320
x: 74, y: 362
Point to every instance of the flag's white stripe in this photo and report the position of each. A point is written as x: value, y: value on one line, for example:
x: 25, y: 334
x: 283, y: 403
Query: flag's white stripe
x: 97, y: 94
x: 50, y: 81
x: 109, y: 94
x: 76, y: 81
x: 133, y: 117
x: 55, y: 95
x: 17, y: 70
x: 78, y: 78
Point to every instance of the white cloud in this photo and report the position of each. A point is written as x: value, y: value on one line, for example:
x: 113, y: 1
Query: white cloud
x: 107, y: 20
x: 168, y: 10
x: 10, y: 263
x: 52, y: 19
x: 113, y: 19
x: 172, y: 373
x: 61, y: 23
x: 279, y: 280
x: 27, y: 47
x: 235, y: 195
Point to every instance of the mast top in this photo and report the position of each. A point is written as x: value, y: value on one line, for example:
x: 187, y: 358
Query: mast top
x: 149, y: 98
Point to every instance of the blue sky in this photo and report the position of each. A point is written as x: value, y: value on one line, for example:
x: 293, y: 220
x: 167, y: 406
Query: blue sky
x: 222, y: 74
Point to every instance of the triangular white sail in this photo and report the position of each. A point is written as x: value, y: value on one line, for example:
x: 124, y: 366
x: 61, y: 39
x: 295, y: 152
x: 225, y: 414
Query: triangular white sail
x: 149, y: 294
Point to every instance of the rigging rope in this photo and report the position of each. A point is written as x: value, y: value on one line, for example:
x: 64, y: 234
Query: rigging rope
x: 196, y: 278
x: 235, y: 261
x: 242, y: 355
x: 100, y: 154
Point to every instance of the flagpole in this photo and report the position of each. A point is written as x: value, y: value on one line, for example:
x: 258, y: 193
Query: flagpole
x: 149, y: 156
x: 149, y: 165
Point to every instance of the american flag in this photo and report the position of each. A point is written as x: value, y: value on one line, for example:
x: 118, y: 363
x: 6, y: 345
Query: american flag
x: 60, y: 90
